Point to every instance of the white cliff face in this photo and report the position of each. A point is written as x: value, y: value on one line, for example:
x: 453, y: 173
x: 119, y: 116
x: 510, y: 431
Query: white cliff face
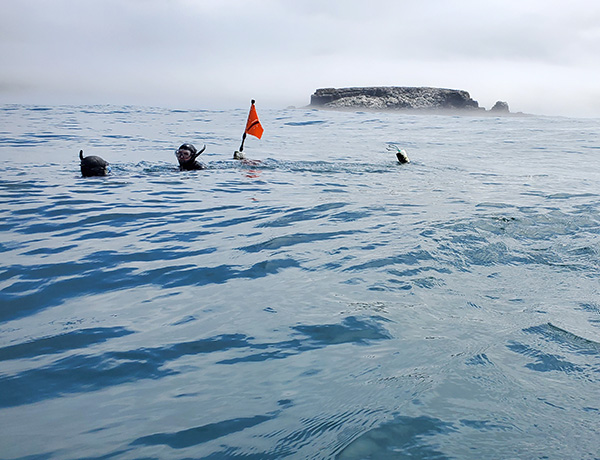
x: 394, y: 97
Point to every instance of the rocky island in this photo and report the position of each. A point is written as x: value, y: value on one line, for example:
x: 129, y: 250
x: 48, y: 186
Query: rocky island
x: 399, y: 98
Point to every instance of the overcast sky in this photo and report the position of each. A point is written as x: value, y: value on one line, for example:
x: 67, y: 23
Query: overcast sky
x: 541, y: 56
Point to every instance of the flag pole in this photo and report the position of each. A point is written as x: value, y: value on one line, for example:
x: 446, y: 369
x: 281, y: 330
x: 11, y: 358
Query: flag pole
x: 242, y: 146
x: 244, y: 136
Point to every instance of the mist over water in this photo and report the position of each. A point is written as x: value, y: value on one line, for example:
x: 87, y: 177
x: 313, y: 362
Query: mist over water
x: 325, y: 302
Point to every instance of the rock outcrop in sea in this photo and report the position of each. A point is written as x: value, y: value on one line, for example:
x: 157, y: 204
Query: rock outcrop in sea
x: 396, y: 98
x: 500, y: 106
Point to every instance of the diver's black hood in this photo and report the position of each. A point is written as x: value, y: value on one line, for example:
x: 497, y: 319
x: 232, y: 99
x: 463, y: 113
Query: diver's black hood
x: 189, y: 147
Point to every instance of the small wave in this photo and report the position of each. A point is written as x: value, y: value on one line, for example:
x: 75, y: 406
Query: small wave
x: 298, y: 215
x: 202, y: 434
x: 305, y: 123
x: 306, y: 337
x: 60, y: 343
x: 404, y: 436
x: 78, y: 373
x: 318, y: 426
x: 544, y: 361
x: 582, y: 338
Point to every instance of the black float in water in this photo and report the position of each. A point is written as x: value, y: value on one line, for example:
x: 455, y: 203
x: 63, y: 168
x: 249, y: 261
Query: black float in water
x: 400, y: 153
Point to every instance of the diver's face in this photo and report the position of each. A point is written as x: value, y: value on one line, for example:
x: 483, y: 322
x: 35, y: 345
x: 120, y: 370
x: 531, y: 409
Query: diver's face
x: 183, y: 155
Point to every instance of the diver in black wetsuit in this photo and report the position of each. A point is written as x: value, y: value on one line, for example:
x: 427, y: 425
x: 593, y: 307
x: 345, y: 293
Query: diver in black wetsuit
x: 186, y: 156
x: 93, y: 165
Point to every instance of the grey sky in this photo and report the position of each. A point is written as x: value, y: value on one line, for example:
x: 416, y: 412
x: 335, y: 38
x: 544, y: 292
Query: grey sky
x: 541, y: 56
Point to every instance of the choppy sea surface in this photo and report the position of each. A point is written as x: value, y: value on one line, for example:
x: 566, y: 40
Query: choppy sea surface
x: 322, y: 302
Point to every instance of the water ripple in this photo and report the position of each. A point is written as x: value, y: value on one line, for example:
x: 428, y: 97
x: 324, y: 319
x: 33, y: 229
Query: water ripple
x: 33, y: 290
x: 292, y: 240
x: 63, y: 342
x: 83, y: 372
x: 405, y: 437
x: 80, y: 372
x: 201, y: 434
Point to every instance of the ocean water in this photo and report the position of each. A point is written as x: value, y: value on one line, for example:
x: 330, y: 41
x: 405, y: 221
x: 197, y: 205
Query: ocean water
x: 321, y: 302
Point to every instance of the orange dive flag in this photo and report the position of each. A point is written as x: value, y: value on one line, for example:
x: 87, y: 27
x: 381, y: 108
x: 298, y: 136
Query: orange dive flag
x: 253, y: 126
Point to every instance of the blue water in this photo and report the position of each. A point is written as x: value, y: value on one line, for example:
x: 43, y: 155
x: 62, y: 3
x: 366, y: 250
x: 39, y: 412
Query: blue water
x: 326, y: 302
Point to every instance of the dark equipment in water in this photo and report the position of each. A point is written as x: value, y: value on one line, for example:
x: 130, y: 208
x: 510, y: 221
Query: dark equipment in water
x: 93, y: 166
x: 400, y: 153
